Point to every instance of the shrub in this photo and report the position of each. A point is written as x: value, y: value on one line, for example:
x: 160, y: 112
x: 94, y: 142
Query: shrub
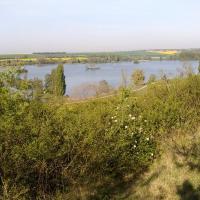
x: 138, y: 77
x: 50, y: 150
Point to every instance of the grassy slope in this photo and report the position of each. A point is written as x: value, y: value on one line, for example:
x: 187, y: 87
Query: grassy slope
x: 160, y: 109
x: 170, y: 177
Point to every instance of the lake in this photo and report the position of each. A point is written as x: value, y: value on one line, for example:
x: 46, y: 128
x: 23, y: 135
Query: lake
x: 77, y: 74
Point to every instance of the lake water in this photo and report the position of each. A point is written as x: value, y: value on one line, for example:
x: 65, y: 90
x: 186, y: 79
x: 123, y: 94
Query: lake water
x: 76, y: 74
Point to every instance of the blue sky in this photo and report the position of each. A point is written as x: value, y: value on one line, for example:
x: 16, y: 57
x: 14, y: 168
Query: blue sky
x: 98, y: 25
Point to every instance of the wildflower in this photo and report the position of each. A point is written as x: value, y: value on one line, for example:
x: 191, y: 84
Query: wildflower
x: 112, y: 117
x: 133, y: 118
x: 145, y: 121
x: 147, y: 139
x: 117, y: 108
x: 126, y: 127
x: 130, y: 115
x: 140, y: 129
x: 134, y: 146
x: 152, y: 154
x: 136, y: 141
x: 115, y: 121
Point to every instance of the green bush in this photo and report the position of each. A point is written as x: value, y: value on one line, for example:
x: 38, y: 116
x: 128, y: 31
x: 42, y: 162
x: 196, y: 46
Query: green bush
x: 56, y: 151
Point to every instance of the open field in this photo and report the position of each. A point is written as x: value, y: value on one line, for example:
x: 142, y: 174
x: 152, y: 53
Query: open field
x: 166, y: 52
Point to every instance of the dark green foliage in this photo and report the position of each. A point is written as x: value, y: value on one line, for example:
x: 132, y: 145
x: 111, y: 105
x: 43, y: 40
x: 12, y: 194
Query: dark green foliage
x: 55, y: 82
x: 61, y: 86
x: 48, y: 84
x: 199, y: 68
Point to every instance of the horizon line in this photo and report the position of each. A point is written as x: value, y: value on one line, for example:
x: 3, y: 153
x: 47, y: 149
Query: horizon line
x: 92, y: 52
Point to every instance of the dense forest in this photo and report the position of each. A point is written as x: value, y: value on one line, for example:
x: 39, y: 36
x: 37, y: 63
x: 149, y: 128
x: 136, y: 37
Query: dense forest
x: 50, y: 149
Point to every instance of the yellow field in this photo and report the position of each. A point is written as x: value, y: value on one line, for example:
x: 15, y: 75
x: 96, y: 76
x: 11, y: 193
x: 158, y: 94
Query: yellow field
x: 82, y: 58
x: 58, y: 59
x: 166, y: 52
x: 50, y: 59
x: 28, y: 59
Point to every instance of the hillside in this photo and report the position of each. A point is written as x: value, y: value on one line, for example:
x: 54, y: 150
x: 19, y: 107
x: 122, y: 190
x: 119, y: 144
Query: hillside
x: 112, y: 148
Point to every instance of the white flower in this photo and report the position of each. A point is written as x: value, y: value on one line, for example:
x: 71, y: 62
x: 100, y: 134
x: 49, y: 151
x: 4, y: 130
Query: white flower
x: 147, y: 139
x: 117, y: 108
x: 152, y: 154
x: 140, y: 129
x: 112, y: 117
x: 133, y: 118
x: 136, y: 141
x: 115, y: 120
x: 134, y: 146
x: 145, y: 121
x: 130, y: 115
x: 126, y: 127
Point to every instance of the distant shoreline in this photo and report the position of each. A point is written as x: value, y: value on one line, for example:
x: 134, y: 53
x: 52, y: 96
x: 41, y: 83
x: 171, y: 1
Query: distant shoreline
x: 97, y: 58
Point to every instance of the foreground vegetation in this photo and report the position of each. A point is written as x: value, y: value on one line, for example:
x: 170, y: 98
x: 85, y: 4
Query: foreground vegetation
x: 51, y: 150
x: 175, y: 174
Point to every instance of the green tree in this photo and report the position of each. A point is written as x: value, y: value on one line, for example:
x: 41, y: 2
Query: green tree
x: 199, y: 67
x: 55, y: 82
x: 138, y: 77
x: 48, y: 84
x: 60, y: 81
x: 37, y: 88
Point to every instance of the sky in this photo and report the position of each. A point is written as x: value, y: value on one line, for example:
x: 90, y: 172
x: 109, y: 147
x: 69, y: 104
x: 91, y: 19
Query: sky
x: 28, y: 26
